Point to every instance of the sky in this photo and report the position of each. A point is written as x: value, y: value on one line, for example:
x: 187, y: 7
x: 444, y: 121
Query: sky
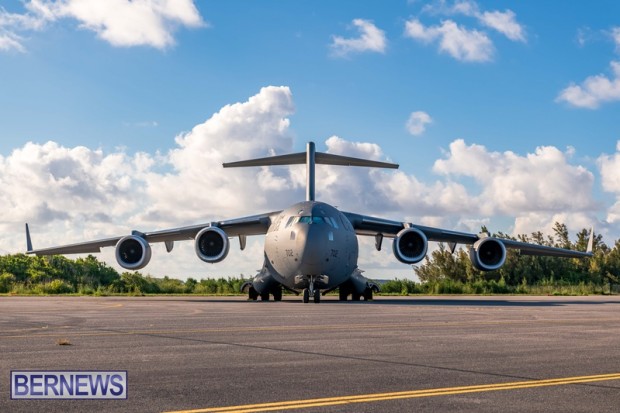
x: 117, y: 115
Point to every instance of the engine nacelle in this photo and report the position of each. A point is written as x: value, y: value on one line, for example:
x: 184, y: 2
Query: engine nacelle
x: 488, y: 254
x: 133, y: 252
x: 212, y: 244
x: 410, y: 246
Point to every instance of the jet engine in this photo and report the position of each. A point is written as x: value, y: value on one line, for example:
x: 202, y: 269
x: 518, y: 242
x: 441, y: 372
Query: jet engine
x: 488, y: 254
x: 212, y: 244
x: 410, y: 246
x: 133, y: 252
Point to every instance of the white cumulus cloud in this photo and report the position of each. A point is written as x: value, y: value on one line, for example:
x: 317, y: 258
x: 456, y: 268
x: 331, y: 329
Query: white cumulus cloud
x: 41, y: 182
x: 459, y: 42
x: 9, y: 41
x: 615, y: 33
x: 119, y: 22
x: 540, y: 182
x: 594, y: 91
x: 609, y: 167
x: 371, y: 39
x: 198, y: 184
x: 74, y: 194
x: 504, y: 22
x: 416, y: 124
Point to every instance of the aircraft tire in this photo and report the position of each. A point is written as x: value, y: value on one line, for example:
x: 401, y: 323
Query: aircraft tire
x: 355, y: 296
x: 264, y: 297
x: 343, y: 294
x: 368, y: 294
x: 306, y: 295
x: 317, y: 296
x: 277, y: 294
x: 252, y: 294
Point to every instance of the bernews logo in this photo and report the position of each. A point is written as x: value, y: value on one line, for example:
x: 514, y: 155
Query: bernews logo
x: 65, y: 384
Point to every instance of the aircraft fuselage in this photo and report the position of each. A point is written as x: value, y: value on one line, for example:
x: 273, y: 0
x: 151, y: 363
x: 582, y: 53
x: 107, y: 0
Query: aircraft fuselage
x: 311, y: 241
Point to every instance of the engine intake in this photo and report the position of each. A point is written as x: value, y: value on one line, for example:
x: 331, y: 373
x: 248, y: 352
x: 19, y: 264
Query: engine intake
x: 488, y: 254
x: 212, y: 244
x: 410, y: 246
x: 133, y: 252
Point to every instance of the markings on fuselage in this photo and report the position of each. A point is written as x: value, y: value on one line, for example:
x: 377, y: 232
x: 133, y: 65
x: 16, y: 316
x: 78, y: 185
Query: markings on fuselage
x: 410, y: 394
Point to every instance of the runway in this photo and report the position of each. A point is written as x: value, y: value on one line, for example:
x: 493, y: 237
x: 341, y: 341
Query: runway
x: 397, y: 354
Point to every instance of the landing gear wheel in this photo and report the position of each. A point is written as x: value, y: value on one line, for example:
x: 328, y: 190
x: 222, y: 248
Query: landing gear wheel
x: 317, y: 296
x: 343, y: 294
x: 277, y: 294
x: 368, y: 294
x: 355, y: 296
x: 306, y: 295
x: 252, y: 294
x: 264, y: 296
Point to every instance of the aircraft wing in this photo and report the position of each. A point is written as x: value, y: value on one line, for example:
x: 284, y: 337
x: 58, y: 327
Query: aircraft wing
x: 241, y: 227
x: 373, y: 226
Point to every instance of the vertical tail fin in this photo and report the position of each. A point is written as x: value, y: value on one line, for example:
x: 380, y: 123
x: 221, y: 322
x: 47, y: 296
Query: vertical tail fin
x: 310, y: 164
x: 310, y: 158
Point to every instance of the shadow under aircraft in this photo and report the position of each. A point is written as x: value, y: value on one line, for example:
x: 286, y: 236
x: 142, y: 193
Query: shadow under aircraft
x: 311, y: 248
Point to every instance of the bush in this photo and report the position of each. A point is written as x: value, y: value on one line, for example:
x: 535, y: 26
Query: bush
x: 6, y: 282
x: 54, y: 287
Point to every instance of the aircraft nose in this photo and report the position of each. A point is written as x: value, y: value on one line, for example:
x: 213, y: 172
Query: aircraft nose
x: 315, y: 249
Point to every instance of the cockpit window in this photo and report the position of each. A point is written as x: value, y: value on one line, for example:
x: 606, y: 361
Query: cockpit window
x: 333, y: 222
x: 291, y: 221
x: 312, y: 219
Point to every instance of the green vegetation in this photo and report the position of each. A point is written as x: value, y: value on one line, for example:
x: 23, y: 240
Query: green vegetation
x: 445, y: 273
x: 22, y: 274
x: 441, y: 273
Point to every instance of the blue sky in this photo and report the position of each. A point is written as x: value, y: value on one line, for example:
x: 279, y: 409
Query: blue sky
x: 491, y: 82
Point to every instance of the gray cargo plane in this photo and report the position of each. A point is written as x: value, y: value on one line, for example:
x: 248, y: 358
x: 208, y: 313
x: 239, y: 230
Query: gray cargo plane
x: 310, y: 247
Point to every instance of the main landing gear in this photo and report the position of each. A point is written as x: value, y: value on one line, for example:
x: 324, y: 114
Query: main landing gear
x: 343, y: 294
x: 264, y: 296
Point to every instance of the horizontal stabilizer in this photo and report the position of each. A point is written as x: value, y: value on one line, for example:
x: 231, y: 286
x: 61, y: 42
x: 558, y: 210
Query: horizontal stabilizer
x: 310, y: 158
x: 290, y: 159
x: 330, y: 159
x: 319, y: 158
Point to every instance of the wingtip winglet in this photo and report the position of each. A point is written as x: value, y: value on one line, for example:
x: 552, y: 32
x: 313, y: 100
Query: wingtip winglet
x: 28, y: 240
x: 591, y: 242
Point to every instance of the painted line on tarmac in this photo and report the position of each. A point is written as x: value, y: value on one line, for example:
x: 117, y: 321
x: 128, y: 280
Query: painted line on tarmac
x: 335, y: 327
x: 412, y: 394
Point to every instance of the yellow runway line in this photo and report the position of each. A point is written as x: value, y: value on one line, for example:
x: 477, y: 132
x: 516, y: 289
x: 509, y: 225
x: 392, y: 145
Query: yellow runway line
x: 411, y: 394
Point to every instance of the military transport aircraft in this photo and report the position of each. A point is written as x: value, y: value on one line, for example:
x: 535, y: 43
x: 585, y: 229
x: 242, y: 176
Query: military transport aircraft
x: 310, y: 247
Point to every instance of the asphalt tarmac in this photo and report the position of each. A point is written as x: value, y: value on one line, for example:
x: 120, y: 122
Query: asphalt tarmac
x: 422, y: 354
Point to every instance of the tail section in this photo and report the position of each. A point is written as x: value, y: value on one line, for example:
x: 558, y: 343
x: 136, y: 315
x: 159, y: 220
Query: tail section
x: 310, y: 158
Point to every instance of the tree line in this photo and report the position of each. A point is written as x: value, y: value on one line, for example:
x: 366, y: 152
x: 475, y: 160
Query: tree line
x: 445, y: 272
x: 23, y: 274
x: 441, y: 272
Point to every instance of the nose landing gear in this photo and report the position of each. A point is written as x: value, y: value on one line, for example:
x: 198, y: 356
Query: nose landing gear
x: 312, y: 291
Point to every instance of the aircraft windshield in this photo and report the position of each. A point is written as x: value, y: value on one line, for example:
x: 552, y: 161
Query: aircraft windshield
x: 312, y: 220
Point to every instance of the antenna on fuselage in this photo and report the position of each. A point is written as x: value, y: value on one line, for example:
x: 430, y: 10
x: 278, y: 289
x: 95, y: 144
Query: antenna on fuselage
x: 310, y: 158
